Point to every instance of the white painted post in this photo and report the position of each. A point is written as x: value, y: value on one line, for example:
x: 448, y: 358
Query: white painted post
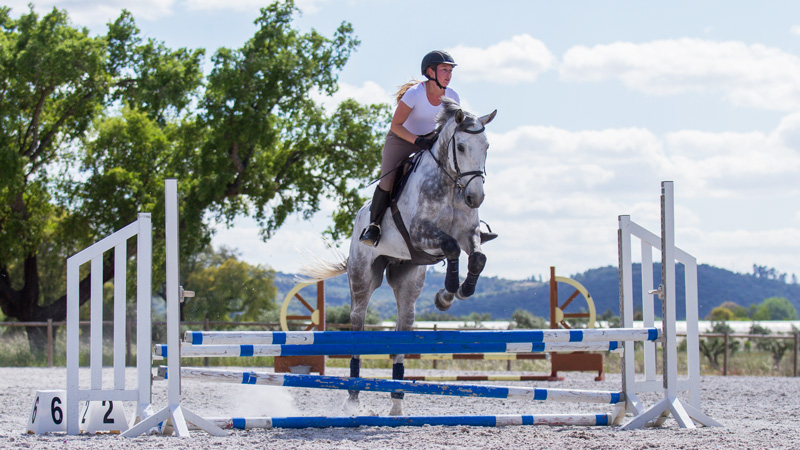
x: 73, y: 346
x: 144, y: 335
x: 648, y: 313
x: 632, y: 403
x: 178, y: 415
x: 120, y: 292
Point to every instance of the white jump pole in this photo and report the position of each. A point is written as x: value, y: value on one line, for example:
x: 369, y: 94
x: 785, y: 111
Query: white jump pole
x: 174, y: 411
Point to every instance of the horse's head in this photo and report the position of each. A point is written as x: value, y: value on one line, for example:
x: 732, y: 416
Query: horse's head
x: 462, y: 149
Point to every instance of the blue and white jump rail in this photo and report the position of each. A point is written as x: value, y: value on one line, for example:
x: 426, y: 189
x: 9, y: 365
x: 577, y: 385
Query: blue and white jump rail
x: 248, y: 423
x: 194, y: 351
x: 410, y: 387
x: 417, y: 337
x: 666, y: 384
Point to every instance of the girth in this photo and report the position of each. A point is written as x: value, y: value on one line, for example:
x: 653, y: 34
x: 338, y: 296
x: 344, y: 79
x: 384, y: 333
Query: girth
x: 418, y: 257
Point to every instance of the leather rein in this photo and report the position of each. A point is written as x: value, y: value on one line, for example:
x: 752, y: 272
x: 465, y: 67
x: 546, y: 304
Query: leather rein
x: 459, y: 175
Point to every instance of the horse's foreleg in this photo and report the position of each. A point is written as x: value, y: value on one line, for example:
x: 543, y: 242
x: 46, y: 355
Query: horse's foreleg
x: 444, y: 298
x: 451, y: 251
x: 398, y: 372
x: 477, y: 261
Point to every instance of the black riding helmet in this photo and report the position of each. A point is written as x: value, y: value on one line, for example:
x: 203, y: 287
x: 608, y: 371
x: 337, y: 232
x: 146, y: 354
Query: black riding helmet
x: 433, y: 59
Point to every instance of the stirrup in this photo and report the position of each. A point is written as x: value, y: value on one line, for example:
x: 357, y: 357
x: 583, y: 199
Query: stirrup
x: 486, y: 237
x: 371, y: 235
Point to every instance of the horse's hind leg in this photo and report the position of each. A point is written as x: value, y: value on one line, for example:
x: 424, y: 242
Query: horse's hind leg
x: 364, y: 278
x: 407, y: 281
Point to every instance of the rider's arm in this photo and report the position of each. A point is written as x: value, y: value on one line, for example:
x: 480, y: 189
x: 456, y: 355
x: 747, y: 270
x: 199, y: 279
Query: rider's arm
x: 398, y: 119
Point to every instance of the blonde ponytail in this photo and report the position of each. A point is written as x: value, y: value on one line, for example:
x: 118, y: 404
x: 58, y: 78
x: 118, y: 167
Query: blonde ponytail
x: 404, y: 88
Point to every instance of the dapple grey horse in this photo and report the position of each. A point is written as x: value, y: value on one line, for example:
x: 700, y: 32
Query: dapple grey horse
x: 439, y: 203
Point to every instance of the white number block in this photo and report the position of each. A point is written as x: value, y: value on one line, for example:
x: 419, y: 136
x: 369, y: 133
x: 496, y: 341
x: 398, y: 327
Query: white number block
x: 103, y: 417
x: 48, y: 412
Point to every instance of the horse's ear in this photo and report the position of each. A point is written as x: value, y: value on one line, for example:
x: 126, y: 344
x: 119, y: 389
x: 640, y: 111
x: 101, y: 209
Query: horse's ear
x: 459, y: 117
x: 487, y: 118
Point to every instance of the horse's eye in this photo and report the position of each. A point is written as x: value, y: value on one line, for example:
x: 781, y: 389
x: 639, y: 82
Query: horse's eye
x: 461, y: 148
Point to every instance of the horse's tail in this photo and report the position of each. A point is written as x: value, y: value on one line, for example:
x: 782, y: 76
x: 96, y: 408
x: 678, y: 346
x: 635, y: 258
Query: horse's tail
x: 320, y: 269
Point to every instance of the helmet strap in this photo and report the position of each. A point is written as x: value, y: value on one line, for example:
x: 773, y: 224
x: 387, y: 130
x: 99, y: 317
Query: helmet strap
x: 436, y: 77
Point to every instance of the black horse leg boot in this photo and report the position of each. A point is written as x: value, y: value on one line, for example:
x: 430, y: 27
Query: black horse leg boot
x: 372, y: 234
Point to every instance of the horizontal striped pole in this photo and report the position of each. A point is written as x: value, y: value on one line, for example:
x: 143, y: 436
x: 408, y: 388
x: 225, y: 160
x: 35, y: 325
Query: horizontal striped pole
x: 193, y: 351
x: 474, y: 378
x: 410, y: 387
x: 418, y: 337
x: 247, y: 423
x: 460, y: 356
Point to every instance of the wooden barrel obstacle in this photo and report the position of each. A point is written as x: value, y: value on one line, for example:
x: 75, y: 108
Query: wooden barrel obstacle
x: 668, y: 384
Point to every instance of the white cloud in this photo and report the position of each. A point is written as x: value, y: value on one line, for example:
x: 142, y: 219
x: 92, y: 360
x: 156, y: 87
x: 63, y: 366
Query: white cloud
x: 368, y: 93
x: 747, y: 75
x: 518, y: 60
x: 558, y: 193
x: 87, y: 13
x: 795, y: 30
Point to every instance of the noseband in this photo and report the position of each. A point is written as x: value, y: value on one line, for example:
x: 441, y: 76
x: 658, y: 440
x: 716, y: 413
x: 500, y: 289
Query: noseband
x: 457, y: 180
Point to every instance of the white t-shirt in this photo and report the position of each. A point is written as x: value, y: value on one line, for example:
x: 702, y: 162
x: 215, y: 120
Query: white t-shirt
x: 421, y: 119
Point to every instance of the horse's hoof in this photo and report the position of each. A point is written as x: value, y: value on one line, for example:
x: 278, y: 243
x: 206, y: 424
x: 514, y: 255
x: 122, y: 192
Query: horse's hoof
x: 443, y: 300
x: 397, y: 407
x: 351, y: 407
x: 461, y: 295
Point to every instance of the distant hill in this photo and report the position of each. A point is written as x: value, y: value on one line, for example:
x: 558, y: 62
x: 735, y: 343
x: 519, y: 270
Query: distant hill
x: 500, y: 297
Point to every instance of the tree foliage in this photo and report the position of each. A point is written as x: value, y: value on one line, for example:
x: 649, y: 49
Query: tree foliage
x: 526, y: 320
x: 774, y: 308
x: 227, y: 289
x: 776, y: 347
x: 713, y: 347
x: 90, y: 126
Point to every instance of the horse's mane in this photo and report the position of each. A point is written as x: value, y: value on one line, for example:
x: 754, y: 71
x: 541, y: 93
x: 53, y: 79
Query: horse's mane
x: 449, y: 109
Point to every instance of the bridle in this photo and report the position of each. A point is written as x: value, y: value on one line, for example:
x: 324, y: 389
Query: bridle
x: 457, y: 179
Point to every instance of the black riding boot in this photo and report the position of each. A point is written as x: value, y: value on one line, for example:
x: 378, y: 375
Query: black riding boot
x: 372, y: 234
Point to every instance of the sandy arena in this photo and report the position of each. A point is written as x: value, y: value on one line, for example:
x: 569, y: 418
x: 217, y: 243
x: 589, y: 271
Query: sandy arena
x: 757, y: 413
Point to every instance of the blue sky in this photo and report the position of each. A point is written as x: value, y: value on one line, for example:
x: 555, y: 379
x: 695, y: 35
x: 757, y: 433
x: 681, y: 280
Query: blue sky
x: 598, y: 102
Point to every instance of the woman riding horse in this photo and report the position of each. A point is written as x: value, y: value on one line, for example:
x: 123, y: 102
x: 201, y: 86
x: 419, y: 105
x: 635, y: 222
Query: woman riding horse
x: 418, y: 103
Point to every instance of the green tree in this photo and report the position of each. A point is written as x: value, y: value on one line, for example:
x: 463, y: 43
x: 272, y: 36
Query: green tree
x: 739, y: 312
x: 712, y: 348
x: 720, y: 313
x: 227, y: 289
x: 776, y: 347
x: 527, y: 320
x: 91, y: 126
x: 55, y: 80
x: 774, y: 308
x: 340, y: 315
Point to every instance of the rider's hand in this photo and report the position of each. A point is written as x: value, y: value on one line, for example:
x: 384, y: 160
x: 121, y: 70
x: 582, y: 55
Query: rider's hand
x: 425, y: 143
